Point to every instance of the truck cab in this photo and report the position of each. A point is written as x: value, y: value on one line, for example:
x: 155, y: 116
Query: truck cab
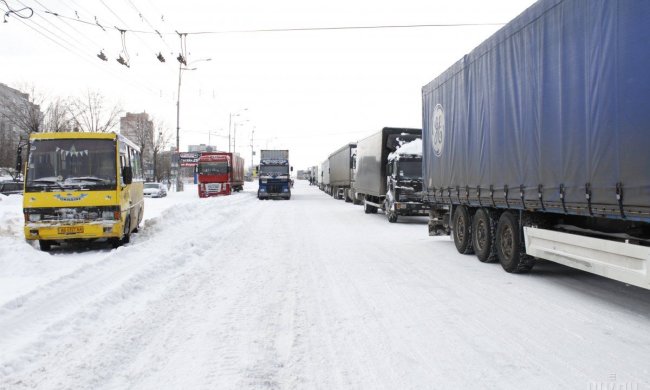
x: 404, y: 187
x: 274, y: 175
x: 219, y: 173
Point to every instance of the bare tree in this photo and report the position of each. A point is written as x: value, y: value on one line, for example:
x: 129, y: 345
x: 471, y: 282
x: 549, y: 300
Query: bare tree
x: 57, y: 116
x: 91, y: 113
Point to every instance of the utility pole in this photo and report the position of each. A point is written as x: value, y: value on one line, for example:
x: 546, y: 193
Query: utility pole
x: 229, y: 126
x: 252, y: 150
x: 238, y: 113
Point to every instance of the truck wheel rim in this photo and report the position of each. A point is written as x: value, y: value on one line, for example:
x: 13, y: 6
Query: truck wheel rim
x: 481, y: 235
x: 460, y: 229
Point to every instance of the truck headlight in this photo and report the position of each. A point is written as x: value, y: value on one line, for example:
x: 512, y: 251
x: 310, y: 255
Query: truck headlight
x: 34, y: 217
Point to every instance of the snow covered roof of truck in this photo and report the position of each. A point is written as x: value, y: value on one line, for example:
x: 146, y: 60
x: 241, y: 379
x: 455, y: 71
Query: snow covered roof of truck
x: 411, y: 149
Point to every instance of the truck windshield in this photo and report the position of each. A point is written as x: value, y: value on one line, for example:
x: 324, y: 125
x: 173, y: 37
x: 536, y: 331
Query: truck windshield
x: 62, y: 164
x: 274, y: 170
x: 410, y: 169
x: 213, y: 168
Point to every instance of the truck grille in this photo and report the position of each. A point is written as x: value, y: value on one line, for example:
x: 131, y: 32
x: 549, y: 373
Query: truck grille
x: 274, y: 188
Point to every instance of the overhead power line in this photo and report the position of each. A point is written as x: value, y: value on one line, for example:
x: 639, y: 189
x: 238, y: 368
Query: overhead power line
x: 376, y: 27
x: 297, y: 29
x: 144, y: 18
x: 79, y: 52
x: 23, y: 13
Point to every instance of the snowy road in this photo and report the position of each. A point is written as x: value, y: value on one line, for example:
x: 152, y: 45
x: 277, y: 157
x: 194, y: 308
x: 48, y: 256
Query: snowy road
x: 311, y: 293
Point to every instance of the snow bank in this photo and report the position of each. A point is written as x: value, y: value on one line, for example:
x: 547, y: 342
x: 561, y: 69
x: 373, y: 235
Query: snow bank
x: 24, y: 268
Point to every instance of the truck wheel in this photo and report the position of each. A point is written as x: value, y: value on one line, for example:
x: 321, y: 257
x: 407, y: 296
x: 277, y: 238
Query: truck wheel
x: 462, y: 231
x: 391, y: 214
x: 509, y: 249
x: 369, y: 209
x: 45, y: 245
x: 483, y: 234
x: 347, y: 196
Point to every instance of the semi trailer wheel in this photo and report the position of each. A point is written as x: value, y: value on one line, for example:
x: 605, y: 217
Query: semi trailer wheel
x: 484, y: 236
x: 462, y: 230
x: 509, y: 246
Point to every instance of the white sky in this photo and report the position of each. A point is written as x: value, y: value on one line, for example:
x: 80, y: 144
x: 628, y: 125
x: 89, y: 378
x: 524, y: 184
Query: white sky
x: 309, y: 91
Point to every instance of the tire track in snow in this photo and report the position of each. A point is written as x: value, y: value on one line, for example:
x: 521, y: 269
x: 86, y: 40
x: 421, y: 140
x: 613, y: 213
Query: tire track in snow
x: 77, y: 299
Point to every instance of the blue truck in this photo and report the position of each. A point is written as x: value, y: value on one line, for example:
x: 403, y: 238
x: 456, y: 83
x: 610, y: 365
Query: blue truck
x: 535, y: 144
x: 274, y: 175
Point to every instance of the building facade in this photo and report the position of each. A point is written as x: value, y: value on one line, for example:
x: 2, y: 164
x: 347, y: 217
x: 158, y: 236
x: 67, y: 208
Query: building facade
x: 201, y: 148
x: 18, y: 117
x: 138, y: 128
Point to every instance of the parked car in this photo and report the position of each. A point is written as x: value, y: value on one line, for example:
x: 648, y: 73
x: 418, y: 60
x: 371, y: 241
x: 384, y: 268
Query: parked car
x: 10, y: 187
x: 155, y: 190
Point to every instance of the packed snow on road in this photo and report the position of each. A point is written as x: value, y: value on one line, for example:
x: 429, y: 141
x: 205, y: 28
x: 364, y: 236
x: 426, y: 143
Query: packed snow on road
x: 311, y: 293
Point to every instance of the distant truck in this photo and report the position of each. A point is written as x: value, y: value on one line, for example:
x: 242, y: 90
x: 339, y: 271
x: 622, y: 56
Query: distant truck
x: 303, y: 174
x: 535, y: 144
x: 219, y: 173
x: 341, y: 171
x: 324, y: 181
x: 313, y: 175
x: 391, y: 185
x: 274, y: 175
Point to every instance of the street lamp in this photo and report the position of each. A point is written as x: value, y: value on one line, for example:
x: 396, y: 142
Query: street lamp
x: 236, y: 113
x: 234, y: 137
x: 179, y: 182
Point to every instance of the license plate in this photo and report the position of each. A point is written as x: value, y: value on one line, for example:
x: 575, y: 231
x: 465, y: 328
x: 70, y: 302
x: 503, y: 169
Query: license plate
x: 71, y: 230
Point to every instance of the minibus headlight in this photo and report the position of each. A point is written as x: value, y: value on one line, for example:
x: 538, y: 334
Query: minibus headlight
x: 34, y: 217
x: 111, y: 214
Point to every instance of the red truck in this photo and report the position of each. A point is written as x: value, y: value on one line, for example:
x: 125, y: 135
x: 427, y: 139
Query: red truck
x: 219, y: 173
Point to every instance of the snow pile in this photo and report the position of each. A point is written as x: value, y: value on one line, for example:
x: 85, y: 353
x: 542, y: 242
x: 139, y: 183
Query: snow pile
x: 410, y: 148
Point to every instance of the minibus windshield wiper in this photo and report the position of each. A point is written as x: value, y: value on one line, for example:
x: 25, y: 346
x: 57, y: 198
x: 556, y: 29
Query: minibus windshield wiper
x: 46, y: 182
x: 87, y: 178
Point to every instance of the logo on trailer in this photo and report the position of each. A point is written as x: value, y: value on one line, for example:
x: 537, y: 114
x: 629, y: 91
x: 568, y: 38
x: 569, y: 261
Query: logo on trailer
x: 438, y: 136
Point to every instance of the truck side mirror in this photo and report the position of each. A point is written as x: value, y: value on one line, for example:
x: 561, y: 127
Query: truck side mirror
x: 127, y: 175
x: 291, y: 169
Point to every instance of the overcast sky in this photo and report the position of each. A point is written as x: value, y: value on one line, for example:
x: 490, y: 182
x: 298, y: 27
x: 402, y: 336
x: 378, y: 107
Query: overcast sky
x: 307, y: 91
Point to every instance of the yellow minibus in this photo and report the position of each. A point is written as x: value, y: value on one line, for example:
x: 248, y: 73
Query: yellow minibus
x: 82, y: 186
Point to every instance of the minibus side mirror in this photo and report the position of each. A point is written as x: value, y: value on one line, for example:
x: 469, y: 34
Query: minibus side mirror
x: 127, y: 175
